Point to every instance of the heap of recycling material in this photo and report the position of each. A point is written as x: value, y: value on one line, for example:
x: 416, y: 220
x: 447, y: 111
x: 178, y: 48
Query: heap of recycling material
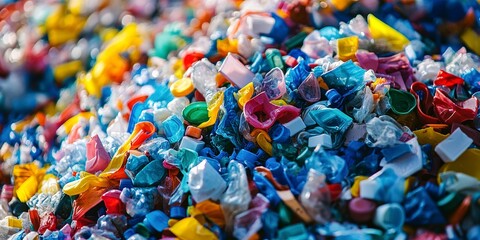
x: 222, y: 119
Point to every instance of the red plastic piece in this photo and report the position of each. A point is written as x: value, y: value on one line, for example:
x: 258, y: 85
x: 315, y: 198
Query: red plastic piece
x: 447, y: 79
x: 191, y: 58
x: 113, y: 203
x: 48, y: 222
x: 34, y: 218
x: 450, y: 112
x: 425, y: 108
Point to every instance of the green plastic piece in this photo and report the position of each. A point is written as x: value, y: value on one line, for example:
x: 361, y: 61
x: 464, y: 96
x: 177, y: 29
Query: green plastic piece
x: 402, y: 102
x: 295, y: 41
x: 293, y: 232
x: 196, y: 113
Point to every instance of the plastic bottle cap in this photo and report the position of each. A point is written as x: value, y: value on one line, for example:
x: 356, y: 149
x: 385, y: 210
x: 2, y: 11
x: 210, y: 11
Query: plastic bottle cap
x: 279, y: 133
x: 235, y: 71
x: 247, y: 157
x: 453, y: 146
x: 178, y: 212
x: 182, y: 87
x: 389, y: 216
x: 196, y: 113
x: 156, y: 221
x: 361, y: 210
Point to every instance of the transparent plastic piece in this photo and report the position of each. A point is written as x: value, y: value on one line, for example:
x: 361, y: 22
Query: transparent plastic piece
x: 315, y: 197
x: 237, y: 197
x: 384, y: 131
x: 334, y: 167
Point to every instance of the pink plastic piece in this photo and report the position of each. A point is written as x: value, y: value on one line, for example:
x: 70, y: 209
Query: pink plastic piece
x: 262, y: 114
x: 309, y: 89
x: 236, y: 72
x: 97, y: 156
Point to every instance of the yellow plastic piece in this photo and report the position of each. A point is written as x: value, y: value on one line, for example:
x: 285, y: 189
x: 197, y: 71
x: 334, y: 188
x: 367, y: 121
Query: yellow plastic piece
x: 429, y: 136
x: 20, y: 125
x: 108, y: 34
x: 88, y: 180
x: 213, y: 108
x: 341, y: 5
x: 110, y: 65
x: 263, y: 140
x: 26, y: 180
x: 69, y: 69
x: 279, y: 102
x: 381, y: 30
x: 182, y: 87
x: 409, y: 182
x: 14, y: 222
x: 83, y: 184
x: 190, y: 229
x: 119, y: 157
x: 63, y: 26
x: 471, y: 39
x: 227, y: 45
x: 5, y: 151
x: 467, y: 163
x: 68, y: 125
x: 212, y: 210
x: 27, y: 189
x: 347, y: 47
x: 244, y: 94
x: 75, y: 6
x: 172, y: 222
x: 355, y: 190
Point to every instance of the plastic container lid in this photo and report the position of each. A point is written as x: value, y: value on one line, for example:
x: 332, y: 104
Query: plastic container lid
x: 361, y: 210
x: 156, y: 221
x: 178, y: 212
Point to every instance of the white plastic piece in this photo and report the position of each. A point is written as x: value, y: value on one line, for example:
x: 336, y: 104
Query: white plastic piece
x: 236, y: 72
x: 355, y: 133
x: 459, y: 182
x: 260, y: 24
x: 205, y: 182
x: 453, y: 146
x: 407, y: 164
x: 295, y: 126
x: 323, y: 140
x: 369, y: 189
x: 389, y: 216
x: 191, y: 143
